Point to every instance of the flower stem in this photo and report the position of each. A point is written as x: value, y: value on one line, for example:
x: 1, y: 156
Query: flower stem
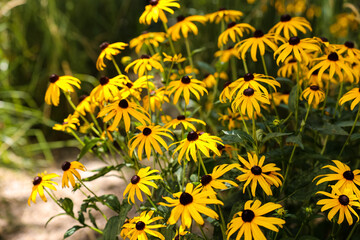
x: 222, y: 225
x: 338, y: 98
x: 271, y: 90
x: 233, y: 69
x: 254, y: 133
x: 297, y: 95
x: 148, y: 91
x: 169, y: 38
x: 115, y: 64
x: 152, y: 203
x: 202, y: 163
x: 76, y: 136
x: 326, y: 96
x: 352, y: 231
x: 351, y: 131
x: 243, y: 120
x: 189, y: 55
x: 245, y: 65
x: 202, y: 231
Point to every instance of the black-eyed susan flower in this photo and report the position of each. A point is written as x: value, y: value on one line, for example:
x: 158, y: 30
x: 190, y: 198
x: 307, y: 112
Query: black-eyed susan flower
x: 280, y: 98
x: 150, y: 137
x: 134, y: 89
x: 313, y: 94
x: 107, y: 51
x: 224, y: 14
x: 209, y: 80
x: 345, y: 177
x: 233, y: 31
x: 123, y: 109
x: 349, y: 50
x: 342, y: 202
x: 139, y: 227
x: 126, y: 230
x: 85, y: 105
x: 185, y: 122
x: 226, y: 54
x: 107, y: 89
x: 69, y: 123
x: 65, y: 83
x: 70, y: 171
x: 138, y: 183
x: 189, y: 204
x: 181, y: 72
x: 248, y: 101
x: 186, y: 85
x: 249, y: 220
x: 177, y: 58
x: 194, y: 142
x: 231, y: 119
x: 185, y: 25
x: 40, y: 182
x: 145, y: 64
x: 299, y: 48
x: 180, y: 233
x: 256, y: 44
x: 157, y: 98
x: 289, y: 26
x: 353, y: 94
x: 155, y: 10
x: 147, y: 39
x: 210, y: 181
x: 226, y: 148
x: 290, y: 66
x: 226, y: 92
x: 334, y: 63
x: 256, y: 172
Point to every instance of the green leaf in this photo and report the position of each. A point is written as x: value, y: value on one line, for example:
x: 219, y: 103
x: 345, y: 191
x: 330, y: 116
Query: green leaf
x: 88, y: 146
x: 198, y: 51
x: 81, y: 217
x: 112, y: 228
x: 102, y: 172
x: 355, y: 137
x: 274, y: 135
x: 284, y: 80
x: 205, y: 66
x: 296, y: 140
x: 331, y: 129
x: 68, y: 205
x: 346, y: 124
x: 92, y: 219
x: 237, y: 136
x: 292, y: 99
x: 53, y: 218
x: 71, y: 231
x: 125, y: 208
x: 113, y: 201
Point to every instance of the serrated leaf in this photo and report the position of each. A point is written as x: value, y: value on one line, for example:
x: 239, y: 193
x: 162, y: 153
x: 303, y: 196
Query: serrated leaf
x: 102, y: 172
x: 296, y: 140
x: 71, y: 231
x: 68, y: 205
x: 53, y: 218
x: 274, y: 135
x: 88, y: 146
x: 207, y: 67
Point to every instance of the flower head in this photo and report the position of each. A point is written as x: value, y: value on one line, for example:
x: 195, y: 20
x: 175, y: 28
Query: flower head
x: 147, y: 38
x: 134, y: 89
x: 313, y: 94
x: 107, y: 89
x: 65, y: 83
x: 40, y: 182
x: 138, y: 184
x: 155, y: 10
x: 189, y: 204
x: 107, y: 51
x: 85, y: 105
x: 185, y: 122
x: 157, y: 98
x: 70, y: 171
x: 224, y: 14
x: 226, y: 54
x: 349, y: 50
x: 353, y: 94
x: 210, y: 181
x: 69, y: 123
x: 185, y: 25
x: 144, y: 65
x: 177, y: 58
x: 231, y: 119
x: 233, y: 31
x: 289, y: 26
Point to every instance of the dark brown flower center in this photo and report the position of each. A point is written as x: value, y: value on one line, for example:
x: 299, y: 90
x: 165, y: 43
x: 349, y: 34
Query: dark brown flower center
x: 37, y: 180
x: 256, y: 170
x: 333, y: 56
x: 324, y: 39
x: 81, y: 98
x: 104, y: 80
x: 185, y: 79
x: 285, y: 18
x: 294, y: 40
x: 248, y: 77
x: 219, y: 146
x: 206, y: 179
x: 53, y: 78
x: 206, y: 75
x: 180, y: 18
x: 247, y: 215
x: 349, y: 44
x: 177, y: 237
x: 222, y: 9
x: 349, y: 175
x: 344, y: 200
x: 258, y: 34
x: 135, y: 179
x: 226, y: 84
x: 316, y: 72
x: 249, y: 92
x: 314, y: 87
x: 230, y: 25
x: 293, y: 60
x: 180, y: 117
x: 104, y: 45
x: 123, y: 103
x: 147, y: 131
x: 192, y: 136
x: 153, y: 2
x: 65, y: 166
x: 186, y: 198
x: 140, y: 225
x: 145, y: 56
x: 129, y: 85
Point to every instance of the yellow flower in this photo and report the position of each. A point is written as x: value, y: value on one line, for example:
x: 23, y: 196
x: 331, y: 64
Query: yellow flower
x: 342, y: 202
x: 186, y: 85
x: 69, y: 123
x: 139, y: 227
x: 299, y: 48
x: 148, y: 139
x: 353, y: 94
x: 85, y: 105
x: 185, y: 122
x: 280, y: 97
x: 155, y: 10
x: 195, y: 142
x: 350, y: 50
x: 313, y: 94
x: 107, y: 89
x: 177, y: 58
x: 122, y: 109
x: 289, y: 68
x: 230, y: 120
x: 249, y: 220
x: 209, y: 80
x: 40, y: 182
x: 147, y: 38
x: 69, y: 169
x: 224, y: 14
x: 255, y: 43
x: 138, y: 184
x: 144, y: 65
x: 289, y: 26
x: 134, y: 89
x: 107, y: 51
x: 181, y: 72
x: 210, y: 181
x: 189, y: 204
x: 233, y: 30
x: 256, y: 172
x: 185, y: 25
x: 180, y: 233
x: 225, y: 148
x: 157, y: 98
x: 226, y: 54
x: 225, y: 94
x: 65, y: 83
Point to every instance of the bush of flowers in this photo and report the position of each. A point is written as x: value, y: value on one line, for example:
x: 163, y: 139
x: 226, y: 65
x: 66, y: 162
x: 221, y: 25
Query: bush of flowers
x: 247, y: 154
